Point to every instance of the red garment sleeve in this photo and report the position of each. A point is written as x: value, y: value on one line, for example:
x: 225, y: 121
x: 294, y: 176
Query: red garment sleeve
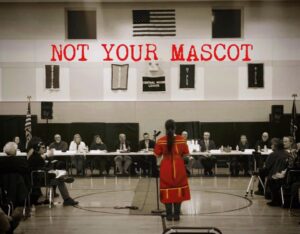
x: 185, y: 149
x: 158, y: 150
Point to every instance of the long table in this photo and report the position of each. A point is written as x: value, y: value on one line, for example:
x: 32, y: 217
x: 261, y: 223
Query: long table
x: 144, y: 153
x: 70, y: 154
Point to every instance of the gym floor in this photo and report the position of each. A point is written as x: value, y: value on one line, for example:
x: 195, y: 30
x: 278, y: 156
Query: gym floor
x: 216, y: 202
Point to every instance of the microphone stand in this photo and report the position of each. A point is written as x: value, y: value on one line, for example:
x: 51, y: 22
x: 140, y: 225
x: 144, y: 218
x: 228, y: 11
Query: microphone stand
x: 158, y: 211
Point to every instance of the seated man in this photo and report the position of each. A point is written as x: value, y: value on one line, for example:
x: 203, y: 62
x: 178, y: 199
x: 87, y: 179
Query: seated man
x: 58, y: 144
x: 188, y: 160
x: 206, y: 145
x: 263, y: 143
x: 236, y: 163
x: 79, y: 146
x: 37, y: 162
x: 100, y: 162
x: 146, y: 161
x: 123, y: 146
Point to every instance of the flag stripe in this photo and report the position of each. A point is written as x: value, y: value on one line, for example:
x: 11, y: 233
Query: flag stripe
x: 155, y: 26
x: 154, y: 30
x: 158, y: 35
x: 161, y: 18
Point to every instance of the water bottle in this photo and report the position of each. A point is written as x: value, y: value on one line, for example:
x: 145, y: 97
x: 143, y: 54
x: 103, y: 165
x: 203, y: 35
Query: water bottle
x: 265, y: 148
x: 237, y: 148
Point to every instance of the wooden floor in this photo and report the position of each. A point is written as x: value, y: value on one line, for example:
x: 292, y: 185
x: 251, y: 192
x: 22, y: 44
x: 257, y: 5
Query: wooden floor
x: 216, y: 201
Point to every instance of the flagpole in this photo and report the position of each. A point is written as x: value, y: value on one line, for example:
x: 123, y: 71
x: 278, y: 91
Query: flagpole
x: 294, y: 127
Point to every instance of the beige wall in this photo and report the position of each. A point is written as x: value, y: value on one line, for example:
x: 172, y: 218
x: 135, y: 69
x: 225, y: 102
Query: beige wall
x: 221, y: 94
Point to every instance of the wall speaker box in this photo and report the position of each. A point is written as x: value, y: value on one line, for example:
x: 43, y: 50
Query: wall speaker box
x: 47, y: 110
x: 277, y: 113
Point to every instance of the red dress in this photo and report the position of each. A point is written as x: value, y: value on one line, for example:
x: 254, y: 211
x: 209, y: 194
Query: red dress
x: 174, y: 186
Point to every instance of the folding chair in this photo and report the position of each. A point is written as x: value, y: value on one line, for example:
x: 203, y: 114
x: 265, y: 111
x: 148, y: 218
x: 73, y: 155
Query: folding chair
x: 41, y: 179
x: 293, y: 176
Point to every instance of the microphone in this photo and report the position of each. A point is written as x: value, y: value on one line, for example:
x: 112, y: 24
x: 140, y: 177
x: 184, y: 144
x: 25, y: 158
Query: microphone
x: 157, y: 133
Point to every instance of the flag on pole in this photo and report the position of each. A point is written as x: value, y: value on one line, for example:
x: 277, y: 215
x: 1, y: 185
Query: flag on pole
x: 27, y: 128
x: 294, y: 122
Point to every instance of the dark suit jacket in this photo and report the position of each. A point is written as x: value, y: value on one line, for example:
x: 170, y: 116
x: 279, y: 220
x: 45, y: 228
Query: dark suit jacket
x: 262, y: 144
x: 243, y: 147
x: 13, y: 164
x: 142, y: 144
x: 211, y: 145
x: 127, y: 144
x: 63, y: 146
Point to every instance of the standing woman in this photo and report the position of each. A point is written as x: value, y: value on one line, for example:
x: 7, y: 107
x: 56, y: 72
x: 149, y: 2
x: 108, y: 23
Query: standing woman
x: 174, y: 187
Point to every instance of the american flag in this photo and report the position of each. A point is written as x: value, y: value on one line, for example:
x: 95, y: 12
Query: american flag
x: 154, y: 23
x: 294, y: 122
x: 27, y: 128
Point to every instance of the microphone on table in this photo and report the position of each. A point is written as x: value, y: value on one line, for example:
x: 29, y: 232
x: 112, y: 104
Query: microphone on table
x: 156, y: 133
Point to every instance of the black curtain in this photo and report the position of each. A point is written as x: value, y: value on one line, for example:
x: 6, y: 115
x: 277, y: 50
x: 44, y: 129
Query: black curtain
x: 13, y: 125
x: 112, y: 131
x: 193, y: 129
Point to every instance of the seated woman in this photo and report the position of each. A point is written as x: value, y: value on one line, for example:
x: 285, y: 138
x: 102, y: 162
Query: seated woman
x: 100, y: 162
x: 37, y: 162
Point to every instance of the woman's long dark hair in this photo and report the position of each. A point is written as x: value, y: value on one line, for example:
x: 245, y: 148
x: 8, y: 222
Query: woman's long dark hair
x: 170, y: 131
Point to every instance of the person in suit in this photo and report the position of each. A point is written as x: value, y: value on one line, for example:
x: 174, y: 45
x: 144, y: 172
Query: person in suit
x: 100, y: 162
x: 78, y: 146
x: 206, y: 145
x: 123, y: 146
x: 146, y: 161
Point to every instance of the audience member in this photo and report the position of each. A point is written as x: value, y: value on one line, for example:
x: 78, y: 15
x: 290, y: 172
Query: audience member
x: 37, y: 162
